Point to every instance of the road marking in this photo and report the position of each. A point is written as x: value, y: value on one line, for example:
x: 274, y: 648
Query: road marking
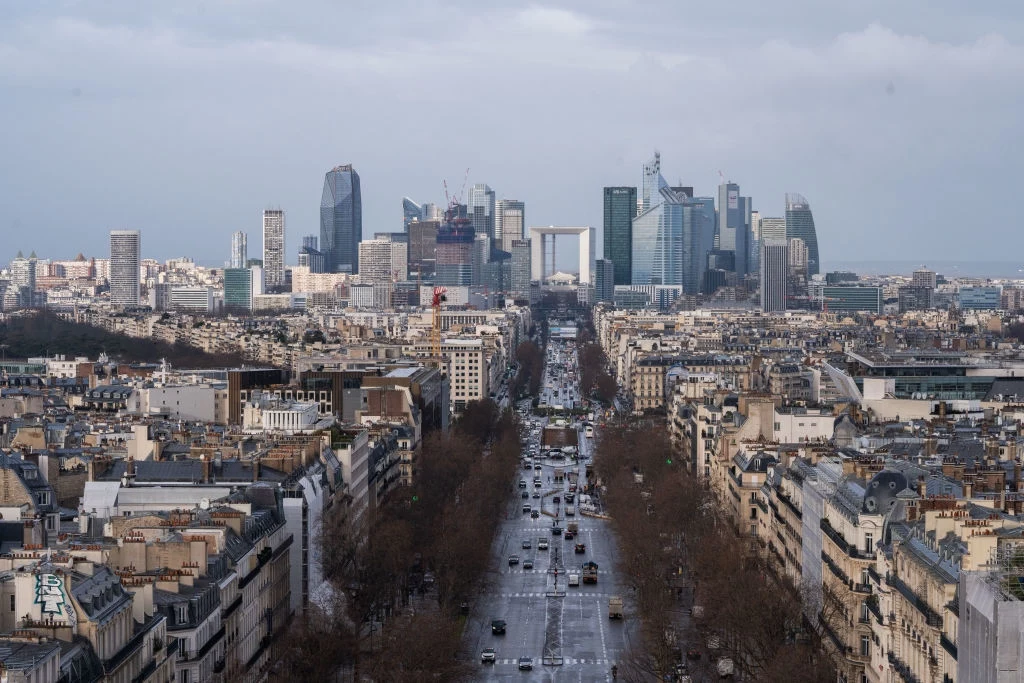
x: 600, y: 622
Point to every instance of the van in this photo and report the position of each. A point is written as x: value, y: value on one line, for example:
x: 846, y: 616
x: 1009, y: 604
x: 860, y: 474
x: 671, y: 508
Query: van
x: 574, y: 580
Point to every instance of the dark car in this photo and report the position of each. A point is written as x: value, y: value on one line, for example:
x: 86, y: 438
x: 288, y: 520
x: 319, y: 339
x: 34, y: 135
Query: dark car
x: 527, y: 564
x: 556, y: 500
x: 526, y: 494
x: 535, y: 514
x: 498, y: 627
x: 556, y: 531
x: 581, y: 548
x: 513, y: 559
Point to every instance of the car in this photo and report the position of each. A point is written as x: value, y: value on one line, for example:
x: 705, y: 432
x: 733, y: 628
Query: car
x: 525, y: 664
x: 526, y: 509
x: 522, y: 483
x: 534, y: 515
x: 513, y: 560
x: 556, y: 531
x: 527, y: 544
x: 570, y: 497
x: 498, y: 627
x: 526, y: 494
x: 537, y: 483
x: 580, y: 548
x: 527, y: 564
x: 542, y: 544
x: 556, y: 500
x: 536, y: 494
x: 568, y: 535
x: 488, y: 656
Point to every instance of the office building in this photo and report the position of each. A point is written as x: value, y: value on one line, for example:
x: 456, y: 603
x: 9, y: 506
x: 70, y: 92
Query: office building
x: 773, y: 228
x: 310, y: 256
x: 774, y: 275
x: 423, y: 248
x: 341, y: 220
x: 454, y: 253
x: 383, y: 261
x: 800, y: 223
x: 733, y: 230
x: 980, y: 298
x: 273, y: 248
x: 481, y: 206
x: 241, y: 286
x: 520, y: 275
x: 923, y: 277
x: 411, y: 211
x: 604, y: 281
x: 432, y: 212
x: 798, y: 255
x: 652, y: 184
x: 125, y: 255
x: 671, y: 241
x: 853, y: 299
x: 239, y: 249
x: 914, y: 298
x: 755, y: 242
x: 509, y: 223
x: 619, y: 212
x: 193, y: 299
x: 481, y: 257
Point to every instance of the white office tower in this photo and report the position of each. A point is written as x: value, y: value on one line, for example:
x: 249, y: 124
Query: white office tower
x: 774, y: 274
x: 798, y: 255
x: 239, y: 249
x: 273, y: 247
x: 383, y: 260
x: 125, y: 250
x: 508, y: 223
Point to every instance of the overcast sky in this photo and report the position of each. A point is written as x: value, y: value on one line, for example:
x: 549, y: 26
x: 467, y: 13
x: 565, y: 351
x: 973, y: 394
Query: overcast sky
x: 899, y: 121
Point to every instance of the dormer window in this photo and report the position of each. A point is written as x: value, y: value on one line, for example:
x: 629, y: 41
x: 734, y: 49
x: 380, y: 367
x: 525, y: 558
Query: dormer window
x: 182, y: 614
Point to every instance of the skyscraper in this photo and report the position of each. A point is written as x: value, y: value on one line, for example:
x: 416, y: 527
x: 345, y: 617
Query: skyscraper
x: 754, y: 252
x: 653, y: 182
x: 800, y: 223
x: 310, y: 242
x: 125, y: 254
x: 671, y: 241
x: 411, y: 211
x: 797, y: 256
x: 604, y: 281
x: 481, y: 207
x: 733, y: 231
x: 239, y: 249
x: 520, y: 276
x: 509, y: 223
x: 341, y: 219
x: 422, y: 249
x: 774, y: 275
x: 454, y: 252
x: 382, y: 261
x: 273, y: 247
x: 773, y: 228
x: 619, y: 212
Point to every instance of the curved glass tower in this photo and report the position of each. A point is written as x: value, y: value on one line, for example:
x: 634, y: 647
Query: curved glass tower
x: 341, y: 220
x: 800, y: 223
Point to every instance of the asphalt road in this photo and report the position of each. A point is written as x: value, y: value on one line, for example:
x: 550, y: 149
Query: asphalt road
x: 566, y: 631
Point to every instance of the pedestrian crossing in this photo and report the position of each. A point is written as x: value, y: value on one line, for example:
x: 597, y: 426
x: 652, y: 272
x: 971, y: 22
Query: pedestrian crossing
x: 566, y: 661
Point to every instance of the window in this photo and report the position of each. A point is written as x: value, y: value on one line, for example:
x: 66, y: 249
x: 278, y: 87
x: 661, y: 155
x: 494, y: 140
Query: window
x: 753, y: 513
x: 182, y: 614
x: 12, y: 603
x: 864, y: 611
x: 869, y: 544
x: 865, y: 646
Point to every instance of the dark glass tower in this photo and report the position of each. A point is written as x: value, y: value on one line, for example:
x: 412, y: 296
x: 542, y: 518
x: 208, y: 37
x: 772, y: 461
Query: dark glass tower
x: 619, y: 211
x: 341, y: 220
x: 800, y: 223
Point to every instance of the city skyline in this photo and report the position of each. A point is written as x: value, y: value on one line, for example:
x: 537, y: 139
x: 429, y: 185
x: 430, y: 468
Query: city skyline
x: 844, y: 107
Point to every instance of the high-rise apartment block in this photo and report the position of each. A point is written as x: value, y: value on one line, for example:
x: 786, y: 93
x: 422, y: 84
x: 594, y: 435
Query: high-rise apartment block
x: 341, y: 219
x: 774, y: 275
x: 923, y: 277
x: 619, y: 212
x: 125, y: 255
x: 382, y: 261
x: 798, y: 255
x: 509, y: 223
x: 800, y: 223
x: 520, y: 275
x: 273, y: 247
x: 239, y: 249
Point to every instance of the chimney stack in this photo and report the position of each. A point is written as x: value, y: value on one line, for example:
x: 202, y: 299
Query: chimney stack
x: 206, y: 468
x: 255, y: 469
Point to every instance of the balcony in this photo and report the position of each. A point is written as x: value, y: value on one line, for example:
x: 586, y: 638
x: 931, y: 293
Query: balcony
x: 901, y: 668
x: 932, y: 618
x: 838, y: 539
x: 948, y: 646
x: 789, y: 503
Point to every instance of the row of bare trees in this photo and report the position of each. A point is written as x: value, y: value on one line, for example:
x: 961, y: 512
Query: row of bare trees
x: 531, y: 370
x: 593, y: 369
x: 676, y: 546
x: 375, y: 562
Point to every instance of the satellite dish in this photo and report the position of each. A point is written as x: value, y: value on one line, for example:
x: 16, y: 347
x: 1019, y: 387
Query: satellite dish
x: 204, y: 503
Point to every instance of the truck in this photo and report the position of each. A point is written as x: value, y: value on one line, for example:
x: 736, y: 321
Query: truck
x: 615, y: 607
x: 589, y: 572
x: 574, y: 527
x: 559, y: 475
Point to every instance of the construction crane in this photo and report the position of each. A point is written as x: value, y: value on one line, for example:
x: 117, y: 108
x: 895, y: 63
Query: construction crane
x: 435, y: 331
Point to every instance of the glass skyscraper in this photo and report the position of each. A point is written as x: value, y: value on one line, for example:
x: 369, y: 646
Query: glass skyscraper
x: 411, y: 211
x: 734, y: 225
x: 671, y: 241
x: 481, y: 207
x: 341, y: 220
x: 800, y: 223
x: 619, y: 212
